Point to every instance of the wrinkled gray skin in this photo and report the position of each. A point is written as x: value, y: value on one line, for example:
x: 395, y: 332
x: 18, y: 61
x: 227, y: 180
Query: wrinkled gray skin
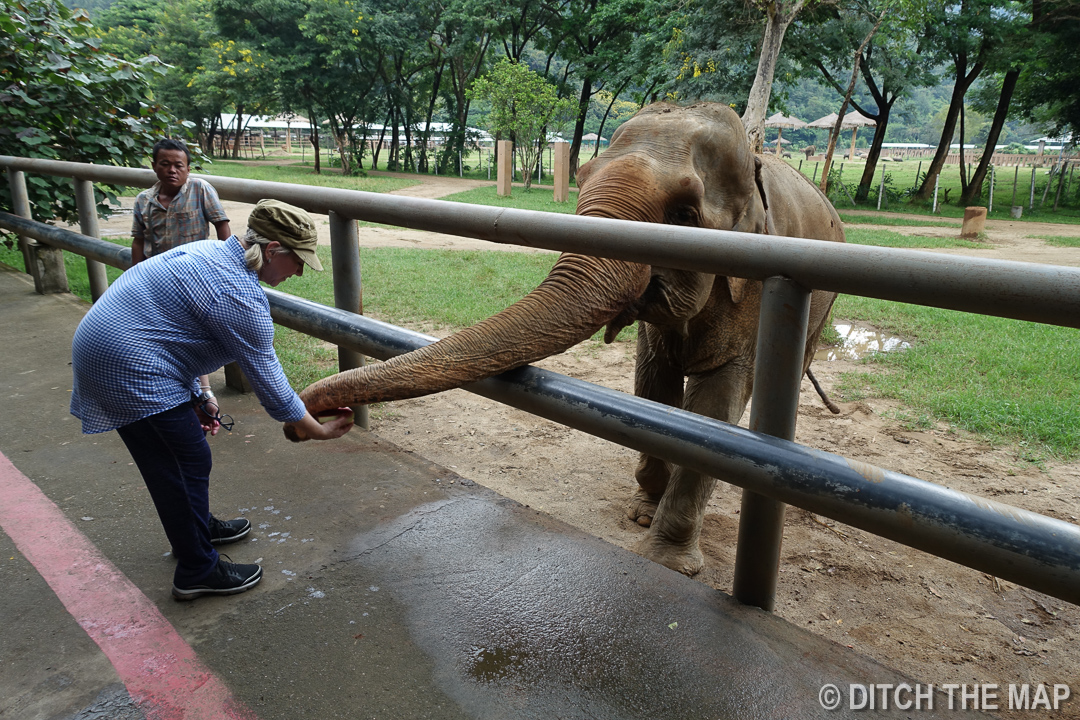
x: 697, y: 332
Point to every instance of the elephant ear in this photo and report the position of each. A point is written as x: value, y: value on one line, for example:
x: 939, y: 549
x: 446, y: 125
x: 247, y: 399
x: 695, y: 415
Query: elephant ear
x: 755, y: 216
x: 755, y: 219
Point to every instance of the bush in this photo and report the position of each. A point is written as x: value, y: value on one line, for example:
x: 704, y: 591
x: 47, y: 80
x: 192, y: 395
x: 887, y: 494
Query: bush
x: 62, y: 98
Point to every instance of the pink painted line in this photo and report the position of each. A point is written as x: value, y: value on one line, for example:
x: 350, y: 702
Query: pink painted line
x: 161, y: 672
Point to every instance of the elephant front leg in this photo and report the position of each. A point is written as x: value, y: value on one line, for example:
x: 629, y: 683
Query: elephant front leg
x: 673, y: 537
x: 658, y: 377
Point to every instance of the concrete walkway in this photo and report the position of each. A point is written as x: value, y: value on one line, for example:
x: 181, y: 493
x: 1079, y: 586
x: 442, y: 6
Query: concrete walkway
x: 393, y: 588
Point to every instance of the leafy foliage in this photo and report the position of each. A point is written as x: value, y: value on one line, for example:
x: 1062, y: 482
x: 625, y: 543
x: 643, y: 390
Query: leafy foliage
x: 523, y: 106
x: 62, y: 98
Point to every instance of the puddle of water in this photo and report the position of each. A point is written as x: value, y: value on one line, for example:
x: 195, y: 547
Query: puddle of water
x: 858, y: 342
x: 490, y: 664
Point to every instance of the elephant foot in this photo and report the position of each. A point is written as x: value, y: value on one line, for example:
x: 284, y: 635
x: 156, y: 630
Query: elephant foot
x: 643, y: 508
x: 686, y: 559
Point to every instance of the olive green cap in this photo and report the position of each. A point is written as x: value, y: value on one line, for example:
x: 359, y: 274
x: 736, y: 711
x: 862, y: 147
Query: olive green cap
x: 289, y: 225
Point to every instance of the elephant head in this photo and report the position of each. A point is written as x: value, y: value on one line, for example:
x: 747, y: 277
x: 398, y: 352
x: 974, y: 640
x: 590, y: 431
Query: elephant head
x: 684, y: 166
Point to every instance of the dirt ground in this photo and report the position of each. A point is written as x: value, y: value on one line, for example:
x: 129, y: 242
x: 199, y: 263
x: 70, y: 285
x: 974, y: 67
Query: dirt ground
x: 934, y: 620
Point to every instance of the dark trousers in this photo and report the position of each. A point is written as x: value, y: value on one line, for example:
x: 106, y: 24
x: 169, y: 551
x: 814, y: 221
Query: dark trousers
x: 171, y: 452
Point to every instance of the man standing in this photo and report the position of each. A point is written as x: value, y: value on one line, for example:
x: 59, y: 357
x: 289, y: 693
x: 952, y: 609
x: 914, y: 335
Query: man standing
x: 175, y: 211
x: 178, y: 209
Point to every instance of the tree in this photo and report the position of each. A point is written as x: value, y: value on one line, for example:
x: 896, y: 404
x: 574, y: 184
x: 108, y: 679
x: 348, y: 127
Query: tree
x: 182, y: 39
x: 966, y: 33
x: 462, y: 39
x: 778, y: 15
x: 596, y: 38
x: 127, y: 27
x: 890, y: 65
x: 62, y: 98
x: 1049, y: 86
x: 241, y: 76
x: 184, y: 35
x: 350, y: 61
x: 523, y: 106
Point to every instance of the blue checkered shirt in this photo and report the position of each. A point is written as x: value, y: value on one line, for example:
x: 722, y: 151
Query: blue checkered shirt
x: 185, y: 313
x: 187, y: 219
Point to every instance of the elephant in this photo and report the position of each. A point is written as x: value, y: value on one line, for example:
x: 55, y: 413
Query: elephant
x: 809, y: 150
x: 697, y: 333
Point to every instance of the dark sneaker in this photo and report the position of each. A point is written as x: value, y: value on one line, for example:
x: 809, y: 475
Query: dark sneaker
x: 223, y: 532
x: 226, y: 579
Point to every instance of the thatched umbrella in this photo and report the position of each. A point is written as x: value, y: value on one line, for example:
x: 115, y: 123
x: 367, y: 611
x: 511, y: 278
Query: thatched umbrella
x: 781, y: 121
x: 853, y: 120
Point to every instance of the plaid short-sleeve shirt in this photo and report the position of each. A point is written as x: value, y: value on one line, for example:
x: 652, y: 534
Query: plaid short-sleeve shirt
x: 187, y: 219
x: 185, y: 313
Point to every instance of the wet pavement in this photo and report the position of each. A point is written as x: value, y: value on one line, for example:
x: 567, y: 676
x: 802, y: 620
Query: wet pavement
x: 393, y: 588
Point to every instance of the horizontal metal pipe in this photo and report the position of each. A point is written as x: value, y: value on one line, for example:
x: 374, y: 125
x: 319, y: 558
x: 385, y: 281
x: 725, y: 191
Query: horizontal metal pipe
x: 92, y: 248
x: 1018, y: 290
x: 1014, y: 544
x: 1008, y: 542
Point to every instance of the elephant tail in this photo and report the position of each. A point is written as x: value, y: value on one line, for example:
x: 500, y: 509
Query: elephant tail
x: 821, y: 392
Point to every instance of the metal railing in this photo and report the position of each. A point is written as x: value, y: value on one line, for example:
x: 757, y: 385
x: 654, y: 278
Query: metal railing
x: 1017, y: 545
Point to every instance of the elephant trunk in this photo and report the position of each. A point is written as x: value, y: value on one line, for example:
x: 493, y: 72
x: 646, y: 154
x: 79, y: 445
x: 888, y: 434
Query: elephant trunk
x: 579, y: 296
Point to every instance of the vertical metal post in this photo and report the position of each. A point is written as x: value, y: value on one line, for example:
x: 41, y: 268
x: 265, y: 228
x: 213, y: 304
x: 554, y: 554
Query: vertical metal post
x: 43, y: 263
x: 937, y: 179
x: 781, y: 344
x: 88, y: 225
x: 990, y: 206
x: 20, y: 202
x: 1031, y: 200
x: 348, y: 289
x: 881, y: 190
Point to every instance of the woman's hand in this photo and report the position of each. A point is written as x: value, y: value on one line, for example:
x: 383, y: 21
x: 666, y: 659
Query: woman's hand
x: 208, y: 412
x: 311, y: 429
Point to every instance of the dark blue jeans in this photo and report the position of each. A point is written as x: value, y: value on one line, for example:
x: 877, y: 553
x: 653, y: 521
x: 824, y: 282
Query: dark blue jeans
x: 171, y: 452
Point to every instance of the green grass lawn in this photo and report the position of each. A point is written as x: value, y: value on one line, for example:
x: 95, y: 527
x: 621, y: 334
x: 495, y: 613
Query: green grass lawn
x: 540, y: 199
x: 1007, y: 380
x: 887, y: 238
x: 1059, y: 241
x: 900, y: 180
x: 880, y: 218
x: 303, y: 175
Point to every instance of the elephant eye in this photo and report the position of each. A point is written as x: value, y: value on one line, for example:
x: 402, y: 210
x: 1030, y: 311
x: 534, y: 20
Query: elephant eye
x: 683, y: 215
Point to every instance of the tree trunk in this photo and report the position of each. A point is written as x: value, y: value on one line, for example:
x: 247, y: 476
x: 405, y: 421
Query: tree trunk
x: 757, y: 104
x: 409, y: 142
x: 872, y: 157
x: 211, y: 132
x: 431, y: 111
x: 579, y: 125
x: 313, y: 123
x: 394, y: 161
x: 974, y: 188
x: 834, y: 134
x: 960, y: 87
x: 378, y: 149
x: 603, y: 120
x: 236, y: 135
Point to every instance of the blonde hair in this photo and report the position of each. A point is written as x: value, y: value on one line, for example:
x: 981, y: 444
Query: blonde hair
x: 253, y: 256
